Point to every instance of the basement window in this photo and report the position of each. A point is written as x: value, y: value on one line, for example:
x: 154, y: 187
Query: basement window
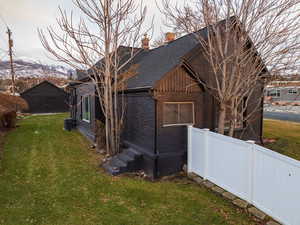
x: 178, y: 113
x: 86, y: 108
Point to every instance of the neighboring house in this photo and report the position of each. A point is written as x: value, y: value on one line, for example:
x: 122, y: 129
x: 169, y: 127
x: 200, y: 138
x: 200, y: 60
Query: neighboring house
x: 283, y: 91
x: 161, y: 100
x: 46, y: 98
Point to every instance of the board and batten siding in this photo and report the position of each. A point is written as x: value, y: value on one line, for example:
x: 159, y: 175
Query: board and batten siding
x: 177, y: 81
x: 171, y: 141
x: 253, y: 126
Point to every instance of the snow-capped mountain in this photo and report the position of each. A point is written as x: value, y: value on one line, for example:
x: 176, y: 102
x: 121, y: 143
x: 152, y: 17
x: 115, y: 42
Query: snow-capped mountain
x: 31, y: 69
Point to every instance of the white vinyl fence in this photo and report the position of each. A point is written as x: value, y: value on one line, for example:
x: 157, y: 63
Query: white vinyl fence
x: 266, y: 179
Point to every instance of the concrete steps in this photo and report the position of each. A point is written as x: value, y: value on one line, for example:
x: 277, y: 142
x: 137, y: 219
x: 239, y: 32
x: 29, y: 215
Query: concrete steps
x: 127, y: 161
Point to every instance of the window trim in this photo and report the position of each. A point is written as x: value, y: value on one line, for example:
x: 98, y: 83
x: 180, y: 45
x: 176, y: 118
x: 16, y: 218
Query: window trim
x: 82, y: 105
x: 179, y: 124
x: 276, y: 93
x: 292, y: 91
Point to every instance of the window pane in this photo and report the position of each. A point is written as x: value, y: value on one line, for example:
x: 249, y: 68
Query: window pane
x: 86, y: 108
x: 292, y: 91
x: 274, y: 93
x: 170, y: 113
x: 186, y: 113
x: 278, y: 93
x: 81, y: 107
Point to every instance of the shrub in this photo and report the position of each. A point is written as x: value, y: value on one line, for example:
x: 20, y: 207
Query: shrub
x: 9, y: 106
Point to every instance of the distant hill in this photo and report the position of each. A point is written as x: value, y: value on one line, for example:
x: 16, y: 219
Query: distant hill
x: 30, y: 69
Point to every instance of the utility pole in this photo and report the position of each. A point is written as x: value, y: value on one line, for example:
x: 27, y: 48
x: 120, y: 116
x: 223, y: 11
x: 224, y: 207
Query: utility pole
x: 10, y: 45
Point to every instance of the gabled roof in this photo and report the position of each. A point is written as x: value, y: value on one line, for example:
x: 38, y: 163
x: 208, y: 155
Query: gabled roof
x: 124, y: 54
x: 38, y: 85
x: 155, y: 63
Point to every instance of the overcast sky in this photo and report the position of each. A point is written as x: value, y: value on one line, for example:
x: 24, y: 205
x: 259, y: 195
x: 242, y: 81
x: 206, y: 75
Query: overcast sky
x: 24, y: 17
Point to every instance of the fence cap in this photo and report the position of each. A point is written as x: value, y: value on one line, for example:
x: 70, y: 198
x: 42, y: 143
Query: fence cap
x: 205, y: 129
x: 250, y: 142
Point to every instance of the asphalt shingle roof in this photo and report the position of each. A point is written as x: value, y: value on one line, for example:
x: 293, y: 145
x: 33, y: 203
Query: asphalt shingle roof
x: 155, y: 63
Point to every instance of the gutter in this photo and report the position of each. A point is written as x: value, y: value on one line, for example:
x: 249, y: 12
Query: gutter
x: 137, y: 90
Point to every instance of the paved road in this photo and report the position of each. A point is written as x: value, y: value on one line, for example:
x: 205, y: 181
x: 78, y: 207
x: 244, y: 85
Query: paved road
x: 282, y: 116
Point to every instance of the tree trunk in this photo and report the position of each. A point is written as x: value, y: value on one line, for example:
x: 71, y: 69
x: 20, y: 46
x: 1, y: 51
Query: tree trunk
x: 233, y: 118
x: 222, y: 115
x: 231, y: 128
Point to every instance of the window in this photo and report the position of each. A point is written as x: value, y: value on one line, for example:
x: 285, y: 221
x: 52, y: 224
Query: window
x: 178, y: 113
x: 85, y: 108
x: 292, y: 91
x: 274, y: 93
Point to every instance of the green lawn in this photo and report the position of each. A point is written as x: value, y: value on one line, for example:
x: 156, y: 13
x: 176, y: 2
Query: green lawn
x: 287, y: 136
x: 50, y: 176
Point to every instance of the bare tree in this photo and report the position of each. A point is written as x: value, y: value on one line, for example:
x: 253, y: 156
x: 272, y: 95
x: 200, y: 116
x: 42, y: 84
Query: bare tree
x: 254, y: 39
x: 104, y: 26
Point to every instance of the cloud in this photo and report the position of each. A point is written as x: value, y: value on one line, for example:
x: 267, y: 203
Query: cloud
x: 23, y: 11
x: 25, y: 16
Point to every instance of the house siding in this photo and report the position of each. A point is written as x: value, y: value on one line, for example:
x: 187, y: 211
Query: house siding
x: 171, y: 144
x: 140, y: 121
x: 285, y: 95
x: 253, y: 130
x: 139, y: 129
x: 86, y: 128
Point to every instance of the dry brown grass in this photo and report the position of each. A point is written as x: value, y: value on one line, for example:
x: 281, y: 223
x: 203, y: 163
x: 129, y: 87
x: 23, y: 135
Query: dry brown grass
x: 9, y: 105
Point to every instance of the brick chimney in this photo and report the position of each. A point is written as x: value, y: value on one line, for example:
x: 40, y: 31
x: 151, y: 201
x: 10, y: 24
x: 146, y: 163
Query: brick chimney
x: 170, y: 37
x: 145, y: 42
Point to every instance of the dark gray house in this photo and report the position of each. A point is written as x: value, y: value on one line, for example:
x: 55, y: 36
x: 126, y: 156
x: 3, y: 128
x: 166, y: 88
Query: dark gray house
x: 162, y: 99
x: 46, y: 98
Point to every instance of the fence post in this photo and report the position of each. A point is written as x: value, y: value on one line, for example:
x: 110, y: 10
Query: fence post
x: 206, y: 158
x: 251, y: 170
x: 189, y: 153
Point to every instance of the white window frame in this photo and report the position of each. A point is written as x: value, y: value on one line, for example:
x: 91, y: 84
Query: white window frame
x: 179, y: 124
x: 276, y: 92
x: 293, y: 91
x: 83, y: 107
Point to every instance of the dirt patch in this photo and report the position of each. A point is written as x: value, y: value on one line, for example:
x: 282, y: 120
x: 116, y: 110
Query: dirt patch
x: 269, y: 140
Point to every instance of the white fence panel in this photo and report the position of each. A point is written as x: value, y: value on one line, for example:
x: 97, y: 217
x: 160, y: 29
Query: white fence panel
x: 196, y: 157
x: 268, y: 180
x: 277, y: 185
x: 229, y: 164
